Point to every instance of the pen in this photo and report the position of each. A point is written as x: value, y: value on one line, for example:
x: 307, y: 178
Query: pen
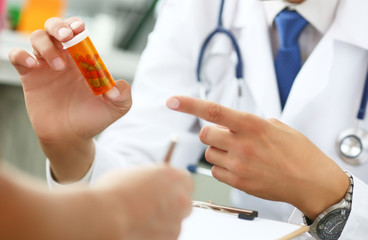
x: 170, y: 150
x: 199, y: 170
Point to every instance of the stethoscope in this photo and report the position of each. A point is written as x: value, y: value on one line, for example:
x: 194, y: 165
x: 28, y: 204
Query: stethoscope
x: 352, y: 144
x: 239, y: 65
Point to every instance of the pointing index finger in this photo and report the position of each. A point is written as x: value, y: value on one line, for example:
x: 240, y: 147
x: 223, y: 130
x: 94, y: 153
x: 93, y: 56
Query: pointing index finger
x: 206, y: 110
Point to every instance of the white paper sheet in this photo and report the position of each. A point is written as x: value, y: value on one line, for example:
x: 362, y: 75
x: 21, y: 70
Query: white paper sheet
x: 208, y: 224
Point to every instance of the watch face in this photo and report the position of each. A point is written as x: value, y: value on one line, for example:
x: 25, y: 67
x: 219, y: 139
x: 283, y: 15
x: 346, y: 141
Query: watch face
x: 331, y: 225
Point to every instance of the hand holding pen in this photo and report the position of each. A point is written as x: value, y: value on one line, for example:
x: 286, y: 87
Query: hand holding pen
x: 170, y: 150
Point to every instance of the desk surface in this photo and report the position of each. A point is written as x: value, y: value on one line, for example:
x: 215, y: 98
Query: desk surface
x: 121, y: 64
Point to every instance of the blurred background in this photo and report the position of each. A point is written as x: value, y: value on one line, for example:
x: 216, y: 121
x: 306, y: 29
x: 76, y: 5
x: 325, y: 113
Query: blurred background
x: 119, y: 30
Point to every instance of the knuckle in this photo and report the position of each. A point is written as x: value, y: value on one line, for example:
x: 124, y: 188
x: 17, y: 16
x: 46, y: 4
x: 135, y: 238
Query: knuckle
x: 255, y: 125
x: 13, y: 53
x: 203, y: 133
x: 74, y: 19
x: 259, y: 130
x: 212, y: 157
x: 238, y: 166
x: 244, y: 117
x: 236, y: 182
x: 45, y: 52
x: 51, y: 21
x: 178, y: 176
x: 168, y: 172
x: 235, y: 166
x: 36, y: 35
x: 184, y: 202
x: 246, y: 151
x: 214, y: 112
x: 273, y: 121
x: 207, y: 154
x: 127, y: 88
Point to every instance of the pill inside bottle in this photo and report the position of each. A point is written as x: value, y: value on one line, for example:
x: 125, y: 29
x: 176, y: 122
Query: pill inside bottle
x: 89, y: 63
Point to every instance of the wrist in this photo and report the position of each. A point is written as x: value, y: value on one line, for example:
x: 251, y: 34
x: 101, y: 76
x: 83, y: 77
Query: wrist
x: 326, y: 193
x: 69, y: 161
x: 331, y: 222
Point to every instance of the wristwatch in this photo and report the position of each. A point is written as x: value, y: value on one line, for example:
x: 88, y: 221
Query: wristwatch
x: 330, y: 223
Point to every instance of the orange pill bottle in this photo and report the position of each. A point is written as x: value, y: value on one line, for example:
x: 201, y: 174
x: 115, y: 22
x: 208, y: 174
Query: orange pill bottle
x: 89, y: 63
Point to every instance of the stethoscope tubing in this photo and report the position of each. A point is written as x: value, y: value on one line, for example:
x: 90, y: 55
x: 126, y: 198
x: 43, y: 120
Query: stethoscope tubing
x: 363, y: 102
x: 352, y: 144
x: 239, y: 73
x: 357, y: 132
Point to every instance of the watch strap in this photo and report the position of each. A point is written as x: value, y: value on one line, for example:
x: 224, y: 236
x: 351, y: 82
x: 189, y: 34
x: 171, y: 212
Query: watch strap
x: 345, y: 203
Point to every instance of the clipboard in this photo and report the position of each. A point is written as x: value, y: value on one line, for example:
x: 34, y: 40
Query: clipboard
x: 217, y: 223
x: 239, y: 212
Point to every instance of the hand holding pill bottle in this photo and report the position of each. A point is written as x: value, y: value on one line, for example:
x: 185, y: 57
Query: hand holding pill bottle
x: 89, y: 63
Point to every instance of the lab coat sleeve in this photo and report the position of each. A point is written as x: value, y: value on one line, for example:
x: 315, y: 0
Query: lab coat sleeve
x: 166, y: 68
x: 101, y: 164
x: 53, y: 184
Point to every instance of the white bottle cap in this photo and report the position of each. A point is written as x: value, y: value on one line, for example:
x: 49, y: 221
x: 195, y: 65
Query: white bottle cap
x: 76, y: 39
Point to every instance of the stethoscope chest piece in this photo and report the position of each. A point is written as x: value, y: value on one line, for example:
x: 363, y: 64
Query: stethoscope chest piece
x: 352, y: 146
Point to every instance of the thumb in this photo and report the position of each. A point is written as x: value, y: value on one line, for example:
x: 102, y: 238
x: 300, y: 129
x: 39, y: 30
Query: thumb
x: 120, y: 97
x: 22, y: 61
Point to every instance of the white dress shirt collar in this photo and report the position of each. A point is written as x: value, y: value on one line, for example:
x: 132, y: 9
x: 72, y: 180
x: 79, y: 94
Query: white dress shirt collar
x: 319, y: 14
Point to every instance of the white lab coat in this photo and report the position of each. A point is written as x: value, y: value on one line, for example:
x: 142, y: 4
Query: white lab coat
x: 323, y: 101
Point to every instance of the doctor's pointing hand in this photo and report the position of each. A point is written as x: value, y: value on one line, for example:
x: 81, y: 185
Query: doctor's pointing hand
x: 266, y: 158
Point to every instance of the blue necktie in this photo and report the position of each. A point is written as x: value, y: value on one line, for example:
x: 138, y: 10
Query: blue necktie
x: 288, y: 61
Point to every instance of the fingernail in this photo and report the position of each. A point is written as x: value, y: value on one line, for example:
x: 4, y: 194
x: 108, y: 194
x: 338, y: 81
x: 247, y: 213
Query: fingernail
x: 113, y: 93
x: 173, y: 103
x: 58, y: 63
x: 64, y: 32
x: 75, y: 25
x: 31, y: 62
